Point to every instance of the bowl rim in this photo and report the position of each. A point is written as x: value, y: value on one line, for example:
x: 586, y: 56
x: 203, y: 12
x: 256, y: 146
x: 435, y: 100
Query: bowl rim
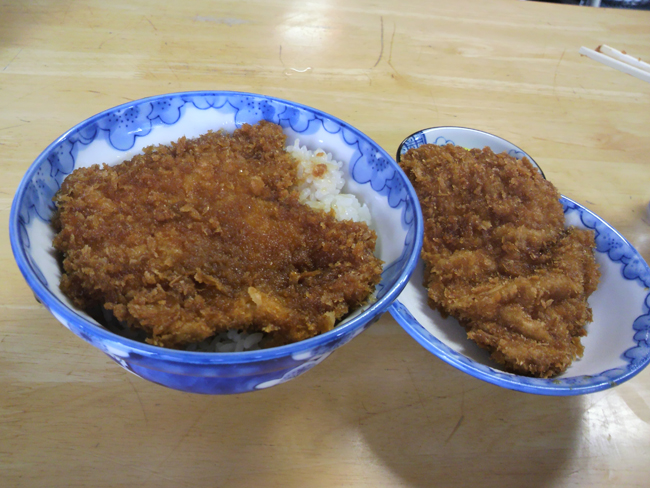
x: 58, y: 308
x: 468, y: 129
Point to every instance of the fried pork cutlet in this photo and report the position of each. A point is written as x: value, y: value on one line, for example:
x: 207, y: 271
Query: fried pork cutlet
x: 207, y: 235
x: 499, y: 259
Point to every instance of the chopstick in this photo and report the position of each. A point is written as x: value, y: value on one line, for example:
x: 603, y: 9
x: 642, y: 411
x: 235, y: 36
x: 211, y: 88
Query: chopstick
x: 618, y: 60
x: 624, y: 57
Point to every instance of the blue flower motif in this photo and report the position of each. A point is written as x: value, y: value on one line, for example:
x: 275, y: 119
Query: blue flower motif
x: 611, y: 242
x: 331, y: 126
x: 85, y: 135
x: 441, y: 141
x: 204, y: 102
x: 516, y: 154
x: 168, y: 109
x: 125, y: 125
x: 40, y: 191
x: 349, y: 137
x: 299, y: 120
x: 398, y: 193
x: 370, y: 166
x: 61, y: 159
x: 639, y: 355
x: 250, y: 110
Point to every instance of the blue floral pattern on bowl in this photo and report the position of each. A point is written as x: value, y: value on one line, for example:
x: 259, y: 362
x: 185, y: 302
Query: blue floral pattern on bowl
x: 119, y: 133
x: 617, y: 346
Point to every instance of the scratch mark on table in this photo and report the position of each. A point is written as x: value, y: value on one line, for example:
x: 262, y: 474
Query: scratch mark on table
x: 460, y: 421
x: 390, y: 54
x: 366, y: 408
x: 381, y: 40
x: 435, y: 105
x: 151, y: 23
x: 173, y: 71
x: 12, y: 59
x: 382, y: 411
x: 144, y: 413
x: 420, y: 399
x: 556, y: 70
x: 180, y: 441
x: 92, y: 14
x: 101, y: 44
x: 67, y: 10
x: 280, y: 55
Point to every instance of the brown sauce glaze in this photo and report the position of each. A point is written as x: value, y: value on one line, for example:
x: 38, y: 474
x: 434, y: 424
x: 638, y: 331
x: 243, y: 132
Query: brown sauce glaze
x: 499, y: 259
x: 207, y: 235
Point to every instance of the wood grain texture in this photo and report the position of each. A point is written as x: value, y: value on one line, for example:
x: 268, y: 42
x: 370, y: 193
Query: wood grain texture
x: 381, y: 411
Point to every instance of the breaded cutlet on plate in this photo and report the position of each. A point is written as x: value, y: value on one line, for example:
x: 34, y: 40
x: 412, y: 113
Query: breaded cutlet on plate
x: 499, y: 259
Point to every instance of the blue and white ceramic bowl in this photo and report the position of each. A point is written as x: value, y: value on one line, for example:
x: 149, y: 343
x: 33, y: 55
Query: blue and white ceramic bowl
x: 121, y: 132
x: 617, y: 346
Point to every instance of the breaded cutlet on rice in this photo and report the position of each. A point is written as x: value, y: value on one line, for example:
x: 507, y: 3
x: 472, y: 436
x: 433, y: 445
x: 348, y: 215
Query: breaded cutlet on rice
x: 208, y: 235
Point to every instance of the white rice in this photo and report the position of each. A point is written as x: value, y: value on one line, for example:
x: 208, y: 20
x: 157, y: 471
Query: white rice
x: 229, y: 341
x: 324, y: 192
x: 319, y: 192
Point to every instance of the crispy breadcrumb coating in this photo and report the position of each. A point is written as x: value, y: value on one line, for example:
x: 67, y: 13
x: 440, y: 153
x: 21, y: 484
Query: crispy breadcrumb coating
x: 207, y: 235
x: 499, y: 259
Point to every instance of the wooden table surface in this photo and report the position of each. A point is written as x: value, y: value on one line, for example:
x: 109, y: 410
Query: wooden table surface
x: 381, y: 411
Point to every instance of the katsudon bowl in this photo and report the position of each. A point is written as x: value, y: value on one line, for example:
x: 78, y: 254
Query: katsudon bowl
x: 617, y: 345
x: 120, y: 133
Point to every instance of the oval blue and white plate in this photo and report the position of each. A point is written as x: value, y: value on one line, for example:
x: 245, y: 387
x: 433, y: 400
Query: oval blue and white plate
x: 617, y: 346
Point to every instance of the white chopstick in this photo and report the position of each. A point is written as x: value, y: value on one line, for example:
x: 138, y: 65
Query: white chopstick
x: 626, y: 58
x: 616, y: 64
